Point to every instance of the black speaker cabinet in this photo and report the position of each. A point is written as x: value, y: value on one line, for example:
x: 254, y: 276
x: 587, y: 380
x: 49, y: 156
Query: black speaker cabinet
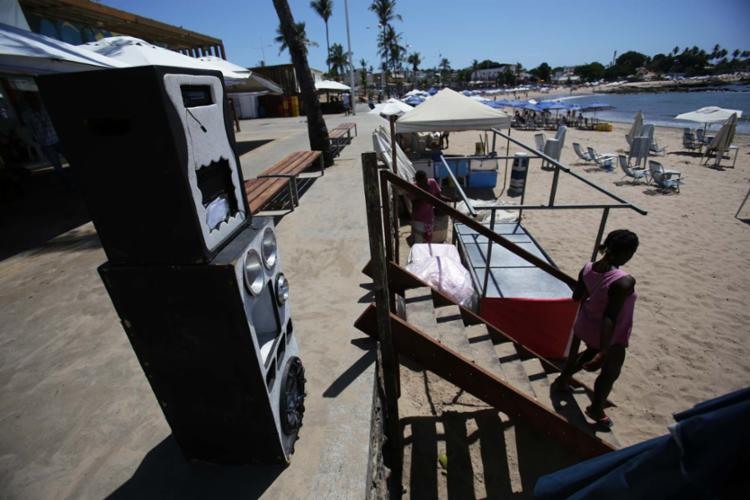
x: 154, y: 151
x: 217, y: 344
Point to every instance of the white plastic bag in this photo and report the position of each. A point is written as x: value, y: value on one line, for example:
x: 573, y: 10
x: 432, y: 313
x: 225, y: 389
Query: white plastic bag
x: 448, y: 276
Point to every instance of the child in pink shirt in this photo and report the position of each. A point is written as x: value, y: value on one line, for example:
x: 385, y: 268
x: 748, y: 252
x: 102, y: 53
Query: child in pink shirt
x: 605, y: 319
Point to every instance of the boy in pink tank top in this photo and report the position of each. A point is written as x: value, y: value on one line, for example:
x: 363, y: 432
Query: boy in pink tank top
x: 605, y: 319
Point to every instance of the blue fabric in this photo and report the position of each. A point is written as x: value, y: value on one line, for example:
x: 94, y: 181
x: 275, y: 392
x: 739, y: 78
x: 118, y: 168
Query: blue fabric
x: 704, y: 457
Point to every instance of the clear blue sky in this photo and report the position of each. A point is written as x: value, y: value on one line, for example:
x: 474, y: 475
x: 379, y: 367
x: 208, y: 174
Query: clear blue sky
x: 559, y: 32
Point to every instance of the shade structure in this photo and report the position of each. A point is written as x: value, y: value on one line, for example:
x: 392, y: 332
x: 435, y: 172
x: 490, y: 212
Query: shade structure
x: 133, y: 51
x: 450, y: 111
x: 552, y: 105
x: 709, y: 114
x: 26, y: 53
x: 241, y: 79
x: 331, y: 85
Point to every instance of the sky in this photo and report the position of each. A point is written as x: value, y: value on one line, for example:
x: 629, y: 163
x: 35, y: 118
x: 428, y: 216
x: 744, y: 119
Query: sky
x: 559, y: 32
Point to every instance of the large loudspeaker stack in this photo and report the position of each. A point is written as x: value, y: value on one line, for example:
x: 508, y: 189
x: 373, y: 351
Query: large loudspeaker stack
x: 197, y: 283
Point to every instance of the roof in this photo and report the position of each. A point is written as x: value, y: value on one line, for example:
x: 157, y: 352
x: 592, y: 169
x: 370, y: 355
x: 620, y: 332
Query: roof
x: 447, y: 111
x: 117, y: 21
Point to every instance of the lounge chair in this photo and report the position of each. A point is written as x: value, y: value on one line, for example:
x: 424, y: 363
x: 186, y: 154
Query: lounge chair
x: 665, y: 180
x: 540, y: 139
x: 583, y: 155
x: 635, y: 174
x: 701, y: 136
x: 689, y: 141
x: 603, y: 161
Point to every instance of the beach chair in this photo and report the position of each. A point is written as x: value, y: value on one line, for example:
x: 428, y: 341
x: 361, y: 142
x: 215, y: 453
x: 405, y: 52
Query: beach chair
x: 604, y: 161
x: 665, y: 180
x: 540, y: 139
x: 583, y: 155
x: 636, y: 174
x: 689, y: 141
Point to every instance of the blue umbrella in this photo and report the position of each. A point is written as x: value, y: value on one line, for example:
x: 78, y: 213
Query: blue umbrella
x: 704, y: 456
x: 432, y: 91
x: 553, y: 105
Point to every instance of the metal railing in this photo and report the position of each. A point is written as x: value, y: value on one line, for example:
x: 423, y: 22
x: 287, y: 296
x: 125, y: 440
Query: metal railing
x: 457, y: 185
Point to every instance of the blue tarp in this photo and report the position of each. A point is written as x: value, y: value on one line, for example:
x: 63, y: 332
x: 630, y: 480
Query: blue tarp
x: 704, y: 456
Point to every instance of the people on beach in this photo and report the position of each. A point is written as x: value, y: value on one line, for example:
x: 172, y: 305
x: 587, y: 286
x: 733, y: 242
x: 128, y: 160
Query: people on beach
x: 422, y: 212
x: 605, y: 319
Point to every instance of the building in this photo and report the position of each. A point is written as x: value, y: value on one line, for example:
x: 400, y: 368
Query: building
x: 491, y: 74
x: 75, y: 22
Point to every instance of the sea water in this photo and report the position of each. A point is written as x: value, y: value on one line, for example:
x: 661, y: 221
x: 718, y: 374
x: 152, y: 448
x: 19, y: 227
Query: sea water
x: 660, y: 108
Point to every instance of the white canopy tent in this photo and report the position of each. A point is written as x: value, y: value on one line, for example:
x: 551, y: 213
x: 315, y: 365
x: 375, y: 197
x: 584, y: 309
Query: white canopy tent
x: 450, y: 111
x: 136, y: 52
x: 26, y: 53
x: 331, y: 85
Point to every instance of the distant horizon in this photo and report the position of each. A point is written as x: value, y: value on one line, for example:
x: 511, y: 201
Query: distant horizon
x: 580, y: 32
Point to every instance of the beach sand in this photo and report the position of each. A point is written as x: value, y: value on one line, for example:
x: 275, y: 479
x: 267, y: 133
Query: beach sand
x: 691, y: 333
x: 690, y: 338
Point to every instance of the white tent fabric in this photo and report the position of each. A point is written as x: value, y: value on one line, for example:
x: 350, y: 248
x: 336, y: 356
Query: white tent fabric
x: 239, y: 78
x: 709, y: 114
x: 331, y: 85
x: 27, y: 53
x: 449, y: 111
x: 381, y: 141
x: 136, y: 52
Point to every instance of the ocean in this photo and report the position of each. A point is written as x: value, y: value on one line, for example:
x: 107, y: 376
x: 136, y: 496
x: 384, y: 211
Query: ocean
x: 660, y: 108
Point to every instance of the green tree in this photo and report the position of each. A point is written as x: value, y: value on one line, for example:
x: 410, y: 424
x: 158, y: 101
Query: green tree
x: 295, y: 40
x: 324, y: 8
x: 542, y: 72
x: 363, y: 74
x: 299, y: 33
x: 590, y: 72
x: 385, y: 10
x: 337, y: 60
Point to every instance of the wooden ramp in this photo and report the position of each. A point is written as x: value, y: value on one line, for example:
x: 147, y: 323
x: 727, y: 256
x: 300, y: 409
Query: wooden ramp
x: 457, y: 345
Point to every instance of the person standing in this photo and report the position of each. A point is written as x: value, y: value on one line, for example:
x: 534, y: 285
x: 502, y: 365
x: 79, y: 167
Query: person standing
x: 422, y: 212
x: 605, y: 319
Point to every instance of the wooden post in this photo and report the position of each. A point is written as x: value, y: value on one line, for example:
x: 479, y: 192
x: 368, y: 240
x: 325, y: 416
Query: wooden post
x: 394, y: 158
x: 386, y: 350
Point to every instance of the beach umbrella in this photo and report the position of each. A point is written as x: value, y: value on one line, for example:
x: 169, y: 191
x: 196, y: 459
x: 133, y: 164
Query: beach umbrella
x: 553, y: 105
x: 724, y: 138
x: 394, y: 106
x: 703, y: 456
x: 635, y: 130
x: 27, y: 53
x: 432, y: 91
x: 709, y: 114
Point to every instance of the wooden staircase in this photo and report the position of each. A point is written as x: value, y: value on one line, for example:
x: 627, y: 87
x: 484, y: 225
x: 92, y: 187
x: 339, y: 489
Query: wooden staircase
x: 462, y: 332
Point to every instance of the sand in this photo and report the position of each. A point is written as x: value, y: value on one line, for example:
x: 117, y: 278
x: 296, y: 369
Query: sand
x: 690, y: 337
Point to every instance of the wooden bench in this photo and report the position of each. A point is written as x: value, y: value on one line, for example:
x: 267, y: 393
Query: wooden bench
x: 339, y: 137
x: 283, y: 174
x: 348, y: 126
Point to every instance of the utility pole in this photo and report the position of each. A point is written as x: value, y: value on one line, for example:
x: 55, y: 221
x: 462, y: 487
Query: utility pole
x: 352, y: 96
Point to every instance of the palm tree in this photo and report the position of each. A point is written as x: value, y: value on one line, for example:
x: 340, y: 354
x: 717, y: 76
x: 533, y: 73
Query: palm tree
x: 299, y: 29
x: 385, y: 10
x: 415, y: 59
x: 337, y: 60
x: 324, y: 8
x: 295, y: 39
x: 363, y: 75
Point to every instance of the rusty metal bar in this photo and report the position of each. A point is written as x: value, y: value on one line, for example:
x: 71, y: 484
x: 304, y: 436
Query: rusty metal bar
x: 600, y: 233
x: 484, y: 385
x: 479, y: 228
